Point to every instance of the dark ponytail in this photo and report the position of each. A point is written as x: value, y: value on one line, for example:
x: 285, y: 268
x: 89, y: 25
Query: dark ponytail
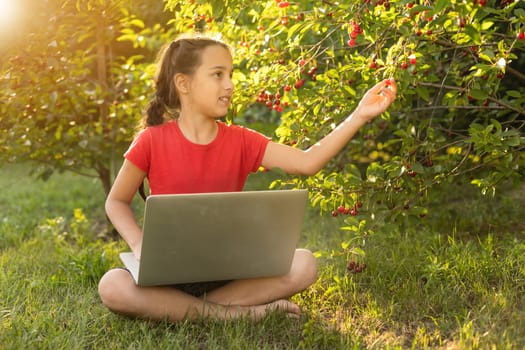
x: 180, y: 56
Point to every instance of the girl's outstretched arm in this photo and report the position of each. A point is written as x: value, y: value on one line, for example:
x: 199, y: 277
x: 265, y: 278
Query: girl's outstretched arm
x: 310, y: 161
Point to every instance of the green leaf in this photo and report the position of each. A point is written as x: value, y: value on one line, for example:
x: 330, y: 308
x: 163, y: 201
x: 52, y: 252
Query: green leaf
x: 137, y: 23
x: 440, y: 5
x: 423, y: 93
x: 514, y: 93
x: 374, y: 171
x: 473, y: 33
x: 486, y: 25
x: 417, y: 167
x: 479, y: 94
x: 353, y: 171
x: 294, y: 29
x: 520, y: 13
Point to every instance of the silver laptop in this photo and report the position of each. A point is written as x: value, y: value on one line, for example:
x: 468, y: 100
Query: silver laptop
x: 217, y: 236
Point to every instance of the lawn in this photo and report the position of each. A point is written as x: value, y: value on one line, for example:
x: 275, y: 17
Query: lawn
x: 455, y: 280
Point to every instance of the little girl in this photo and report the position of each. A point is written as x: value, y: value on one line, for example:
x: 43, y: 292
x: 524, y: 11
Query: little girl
x: 185, y: 148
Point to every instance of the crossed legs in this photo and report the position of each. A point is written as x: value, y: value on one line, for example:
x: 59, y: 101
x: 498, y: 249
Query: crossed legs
x: 250, y: 297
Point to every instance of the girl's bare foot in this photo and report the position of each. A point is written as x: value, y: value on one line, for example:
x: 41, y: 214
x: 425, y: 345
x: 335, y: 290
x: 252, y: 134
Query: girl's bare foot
x: 282, y: 305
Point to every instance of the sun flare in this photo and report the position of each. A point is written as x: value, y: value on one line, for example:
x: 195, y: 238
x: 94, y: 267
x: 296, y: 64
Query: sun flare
x: 9, y: 11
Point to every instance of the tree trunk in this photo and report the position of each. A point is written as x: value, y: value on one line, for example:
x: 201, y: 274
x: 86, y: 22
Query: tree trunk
x: 104, y: 175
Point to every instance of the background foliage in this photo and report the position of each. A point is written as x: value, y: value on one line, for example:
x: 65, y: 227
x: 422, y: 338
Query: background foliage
x: 72, y: 92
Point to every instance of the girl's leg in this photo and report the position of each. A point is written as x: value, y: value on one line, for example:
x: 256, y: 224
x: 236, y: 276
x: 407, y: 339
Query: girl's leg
x: 256, y: 291
x: 251, y: 297
x: 120, y: 294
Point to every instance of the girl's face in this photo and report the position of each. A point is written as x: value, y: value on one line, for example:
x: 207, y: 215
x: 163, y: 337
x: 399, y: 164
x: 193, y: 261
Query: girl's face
x: 210, y: 87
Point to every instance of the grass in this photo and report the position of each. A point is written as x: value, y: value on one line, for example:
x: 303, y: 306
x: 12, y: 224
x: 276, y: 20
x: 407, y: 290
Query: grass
x: 453, y: 281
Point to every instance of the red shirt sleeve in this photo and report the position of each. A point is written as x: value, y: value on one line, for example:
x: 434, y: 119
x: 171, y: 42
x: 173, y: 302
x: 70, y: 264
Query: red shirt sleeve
x: 254, y: 147
x: 139, y: 152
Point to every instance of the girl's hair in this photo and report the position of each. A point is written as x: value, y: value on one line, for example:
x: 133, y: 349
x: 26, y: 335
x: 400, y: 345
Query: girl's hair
x: 182, y: 55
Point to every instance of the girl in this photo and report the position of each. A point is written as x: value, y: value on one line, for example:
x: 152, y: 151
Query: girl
x: 185, y: 148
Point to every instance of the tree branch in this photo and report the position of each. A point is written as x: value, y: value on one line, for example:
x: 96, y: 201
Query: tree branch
x: 456, y: 88
x: 457, y: 107
x: 515, y: 73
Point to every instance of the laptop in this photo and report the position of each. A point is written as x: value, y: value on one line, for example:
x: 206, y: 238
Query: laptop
x: 217, y: 236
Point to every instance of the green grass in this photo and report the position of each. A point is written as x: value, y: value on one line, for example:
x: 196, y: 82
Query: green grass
x: 455, y: 280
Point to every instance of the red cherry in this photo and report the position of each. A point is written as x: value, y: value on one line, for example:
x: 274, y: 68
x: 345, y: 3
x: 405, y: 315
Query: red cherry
x: 351, y: 42
x: 302, y: 62
x: 284, y: 4
x: 356, y: 28
x: 341, y: 209
x: 373, y: 65
x: 521, y: 35
x: 287, y: 88
x: 353, y: 212
x: 404, y: 65
x: 334, y: 213
x: 299, y: 83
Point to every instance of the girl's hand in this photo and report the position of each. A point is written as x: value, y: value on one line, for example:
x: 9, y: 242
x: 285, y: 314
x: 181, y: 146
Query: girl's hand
x: 376, y: 100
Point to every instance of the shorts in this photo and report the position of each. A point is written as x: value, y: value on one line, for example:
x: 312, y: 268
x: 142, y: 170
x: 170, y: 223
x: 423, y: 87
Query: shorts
x: 197, y: 289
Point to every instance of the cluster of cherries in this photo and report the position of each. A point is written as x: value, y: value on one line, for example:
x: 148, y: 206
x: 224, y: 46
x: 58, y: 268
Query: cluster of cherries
x: 282, y: 4
x: 284, y: 20
x: 342, y: 210
x: 272, y: 101
x: 356, y: 31
x: 311, y: 72
x: 355, y: 267
x: 385, y: 3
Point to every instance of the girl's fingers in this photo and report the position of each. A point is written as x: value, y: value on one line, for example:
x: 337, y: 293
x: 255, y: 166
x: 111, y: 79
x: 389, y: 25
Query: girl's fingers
x: 388, y: 89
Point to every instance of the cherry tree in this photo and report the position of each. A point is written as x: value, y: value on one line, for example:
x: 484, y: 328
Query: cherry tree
x: 305, y: 64
x: 72, y: 91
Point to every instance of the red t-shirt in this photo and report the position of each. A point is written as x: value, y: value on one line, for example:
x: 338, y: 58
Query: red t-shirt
x: 175, y: 165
